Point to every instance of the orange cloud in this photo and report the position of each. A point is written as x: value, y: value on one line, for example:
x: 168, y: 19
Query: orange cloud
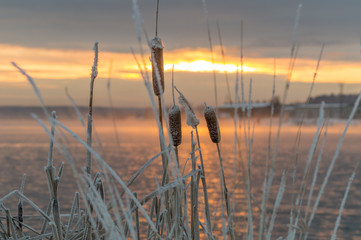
x: 44, y: 63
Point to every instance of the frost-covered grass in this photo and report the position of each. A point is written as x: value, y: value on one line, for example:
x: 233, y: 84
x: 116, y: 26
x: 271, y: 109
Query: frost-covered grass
x: 106, y: 207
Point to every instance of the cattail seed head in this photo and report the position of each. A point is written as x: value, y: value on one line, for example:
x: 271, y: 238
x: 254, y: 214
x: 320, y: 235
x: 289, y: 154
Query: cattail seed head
x: 175, y: 125
x: 212, y: 124
x: 157, y: 65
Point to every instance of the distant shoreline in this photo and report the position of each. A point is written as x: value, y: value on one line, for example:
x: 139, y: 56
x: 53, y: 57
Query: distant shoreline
x: 24, y: 112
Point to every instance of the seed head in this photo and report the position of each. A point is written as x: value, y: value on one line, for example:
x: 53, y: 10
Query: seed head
x: 157, y: 65
x: 212, y: 124
x: 175, y: 125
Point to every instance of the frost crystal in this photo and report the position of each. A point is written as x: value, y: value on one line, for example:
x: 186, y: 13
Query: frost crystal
x: 191, y: 117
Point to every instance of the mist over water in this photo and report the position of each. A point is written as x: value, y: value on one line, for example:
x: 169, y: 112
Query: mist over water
x: 24, y: 149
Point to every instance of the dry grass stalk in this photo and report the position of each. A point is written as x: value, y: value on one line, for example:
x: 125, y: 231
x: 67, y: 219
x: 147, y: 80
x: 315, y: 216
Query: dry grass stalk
x: 94, y: 74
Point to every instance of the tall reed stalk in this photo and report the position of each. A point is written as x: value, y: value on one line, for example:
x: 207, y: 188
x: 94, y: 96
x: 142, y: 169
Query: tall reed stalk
x: 94, y: 74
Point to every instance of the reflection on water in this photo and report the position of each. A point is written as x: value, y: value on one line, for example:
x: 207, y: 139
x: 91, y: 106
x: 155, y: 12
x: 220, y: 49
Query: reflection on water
x: 24, y: 147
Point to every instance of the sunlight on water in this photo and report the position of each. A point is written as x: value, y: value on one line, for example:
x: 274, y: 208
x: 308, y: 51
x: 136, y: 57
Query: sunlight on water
x: 24, y: 147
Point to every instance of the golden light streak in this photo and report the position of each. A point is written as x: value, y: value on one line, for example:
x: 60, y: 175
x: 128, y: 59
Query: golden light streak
x: 62, y: 64
x: 206, y: 66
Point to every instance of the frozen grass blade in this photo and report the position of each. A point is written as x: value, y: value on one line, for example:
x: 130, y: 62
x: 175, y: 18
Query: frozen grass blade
x: 236, y: 104
x: 205, y: 10
x: 111, y: 171
x: 334, y: 158
x: 142, y: 169
x: 78, y: 114
x: 276, y: 206
x: 72, y: 213
x: 110, y: 99
x: 241, y: 58
x: 293, y: 58
x: 82, y: 183
x: 334, y: 237
x: 224, y: 63
x: 249, y: 167
x: 298, y: 13
x: 35, y: 88
x: 302, y: 191
x: 315, y: 173
x: 268, y: 157
x: 19, y: 194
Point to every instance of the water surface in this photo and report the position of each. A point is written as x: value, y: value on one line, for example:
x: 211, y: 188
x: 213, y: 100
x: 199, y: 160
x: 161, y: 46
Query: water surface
x: 24, y: 149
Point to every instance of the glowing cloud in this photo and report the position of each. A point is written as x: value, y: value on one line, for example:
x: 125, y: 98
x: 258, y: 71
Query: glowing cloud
x: 76, y: 64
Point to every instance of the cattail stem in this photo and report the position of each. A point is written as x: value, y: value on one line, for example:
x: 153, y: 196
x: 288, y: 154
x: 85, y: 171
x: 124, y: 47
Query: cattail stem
x: 176, y: 154
x: 156, y: 19
x: 223, y: 179
x: 56, y: 210
x: 226, y: 195
x: 194, y: 196
x: 51, y: 145
x: 205, y: 191
x: 178, y: 196
x: 160, y: 111
x: 173, y: 84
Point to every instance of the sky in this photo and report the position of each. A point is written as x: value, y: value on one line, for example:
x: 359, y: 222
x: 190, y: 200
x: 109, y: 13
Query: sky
x: 53, y: 40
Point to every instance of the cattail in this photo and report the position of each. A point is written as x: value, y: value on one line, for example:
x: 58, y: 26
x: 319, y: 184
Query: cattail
x: 157, y: 65
x: 212, y: 124
x: 175, y: 125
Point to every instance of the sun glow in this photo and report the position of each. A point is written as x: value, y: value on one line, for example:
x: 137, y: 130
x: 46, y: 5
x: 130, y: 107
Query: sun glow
x: 59, y: 64
x: 205, y: 66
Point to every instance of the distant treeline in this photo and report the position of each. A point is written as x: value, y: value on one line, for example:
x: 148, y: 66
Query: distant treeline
x: 332, y: 98
x: 67, y: 112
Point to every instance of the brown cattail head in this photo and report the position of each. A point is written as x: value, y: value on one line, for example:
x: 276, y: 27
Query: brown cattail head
x: 157, y: 65
x: 175, y: 125
x: 212, y: 124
